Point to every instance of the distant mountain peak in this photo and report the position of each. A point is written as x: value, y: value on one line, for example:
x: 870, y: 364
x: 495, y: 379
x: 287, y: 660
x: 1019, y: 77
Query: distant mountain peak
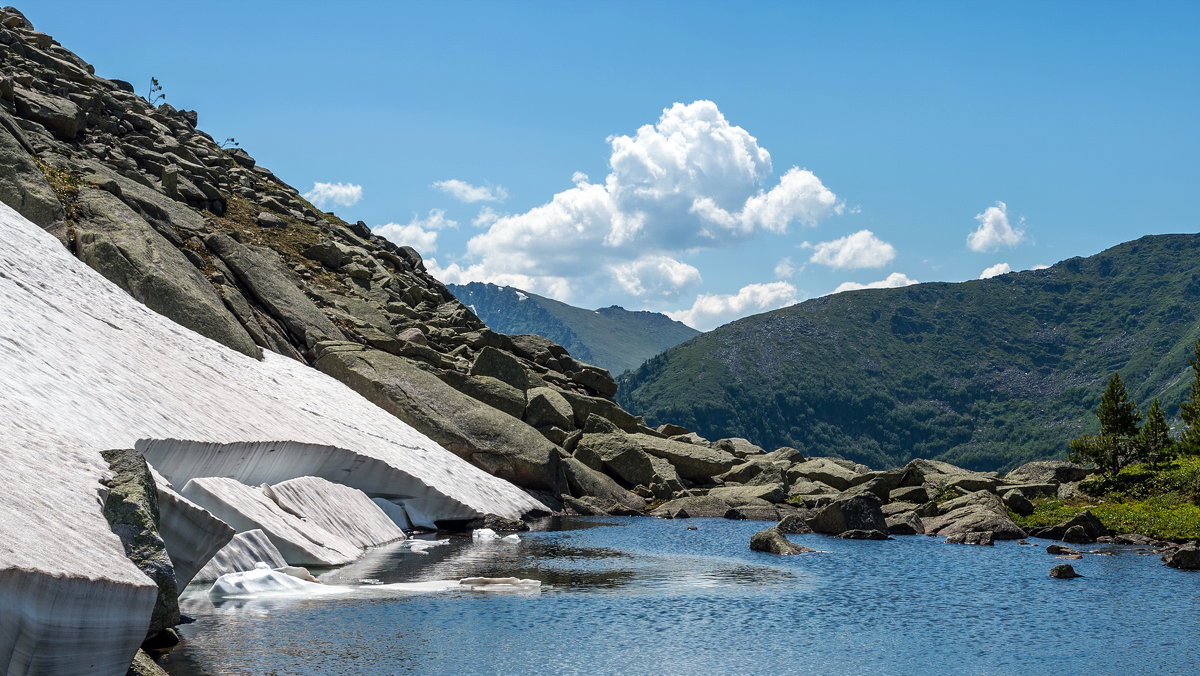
x: 610, y: 337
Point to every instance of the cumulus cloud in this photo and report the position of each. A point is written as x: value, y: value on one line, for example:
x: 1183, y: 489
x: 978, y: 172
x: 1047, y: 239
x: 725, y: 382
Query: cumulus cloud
x: 465, y: 192
x: 860, y: 250
x: 1039, y: 266
x: 341, y: 194
x: 896, y: 279
x: 690, y: 181
x: 653, y: 277
x: 994, y: 231
x: 419, y: 233
x: 997, y: 269
x: 711, y: 310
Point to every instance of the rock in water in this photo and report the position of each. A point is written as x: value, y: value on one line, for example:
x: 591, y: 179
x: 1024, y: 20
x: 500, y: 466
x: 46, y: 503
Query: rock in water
x: 1064, y: 571
x: 973, y: 538
x: 1186, y: 557
x: 1059, y: 550
x: 772, y: 541
x: 860, y: 512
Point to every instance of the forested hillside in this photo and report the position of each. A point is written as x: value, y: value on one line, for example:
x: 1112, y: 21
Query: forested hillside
x: 985, y: 374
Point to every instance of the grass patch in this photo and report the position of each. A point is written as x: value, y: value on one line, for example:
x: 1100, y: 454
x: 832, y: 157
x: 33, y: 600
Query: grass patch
x: 289, y: 241
x: 65, y: 185
x: 1166, y: 517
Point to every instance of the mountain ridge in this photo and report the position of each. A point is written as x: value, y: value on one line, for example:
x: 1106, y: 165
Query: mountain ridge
x: 610, y: 337
x: 983, y: 373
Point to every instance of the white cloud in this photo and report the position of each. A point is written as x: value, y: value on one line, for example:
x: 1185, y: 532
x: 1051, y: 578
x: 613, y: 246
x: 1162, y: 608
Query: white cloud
x: 860, y: 250
x: 485, y: 217
x: 785, y: 268
x: 419, y: 233
x: 653, y: 277
x: 465, y: 192
x: 994, y: 231
x: 690, y: 181
x: 711, y: 310
x: 894, y: 280
x: 1039, y: 266
x: 341, y: 194
x: 997, y: 269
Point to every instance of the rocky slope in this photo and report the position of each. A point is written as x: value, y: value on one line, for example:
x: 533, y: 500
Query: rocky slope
x: 206, y: 237
x: 612, y: 337
x: 985, y: 374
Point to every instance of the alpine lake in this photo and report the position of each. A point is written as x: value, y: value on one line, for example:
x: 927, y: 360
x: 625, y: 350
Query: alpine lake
x: 637, y: 595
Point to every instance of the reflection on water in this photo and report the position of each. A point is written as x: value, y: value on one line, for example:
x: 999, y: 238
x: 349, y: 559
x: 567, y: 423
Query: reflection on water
x: 646, y: 595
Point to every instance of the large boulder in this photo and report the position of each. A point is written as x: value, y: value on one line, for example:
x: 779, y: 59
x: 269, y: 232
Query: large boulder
x: 1084, y: 528
x: 264, y: 274
x: 977, y: 512
x: 583, y: 481
x: 858, y: 512
x: 773, y: 541
x: 489, y: 439
x: 119, y: 244
x: 738, y: 495
x: 695, y: 463
x: 60, y: 115
x: 1047, y: 471
x: 825, y: 470
x: 944, y: 475
x: 700, y: 506
x: 502, y: 366
x: 22, y: 184
x: 547, y: 408
x: 623, y: 454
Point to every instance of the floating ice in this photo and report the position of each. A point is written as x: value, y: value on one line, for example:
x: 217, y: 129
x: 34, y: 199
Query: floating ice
x: 263, y: 581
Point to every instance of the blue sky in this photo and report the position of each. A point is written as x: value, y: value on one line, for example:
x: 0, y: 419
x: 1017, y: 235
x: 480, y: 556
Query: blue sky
x: 909, y: 121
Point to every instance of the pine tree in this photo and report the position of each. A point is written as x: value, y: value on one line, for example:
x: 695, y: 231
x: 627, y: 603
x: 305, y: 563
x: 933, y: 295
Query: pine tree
x: 1189, y: 411
x: 1118, y: 443
x: 1154, y: 441
x: 1118, y: 416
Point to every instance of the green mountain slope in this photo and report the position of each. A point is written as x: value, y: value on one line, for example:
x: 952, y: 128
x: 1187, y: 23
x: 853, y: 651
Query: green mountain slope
x: 613, y: 337
x: 984, y: 374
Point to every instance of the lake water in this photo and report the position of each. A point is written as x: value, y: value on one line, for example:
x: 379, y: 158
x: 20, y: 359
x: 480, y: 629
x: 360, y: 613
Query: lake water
x: 649, y: 596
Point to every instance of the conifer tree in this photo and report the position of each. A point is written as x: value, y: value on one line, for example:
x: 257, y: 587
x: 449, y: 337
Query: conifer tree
x: 1189, y: 411
x: 1118, y: 443
x: 1118, y: 416
x: 1155, y: 443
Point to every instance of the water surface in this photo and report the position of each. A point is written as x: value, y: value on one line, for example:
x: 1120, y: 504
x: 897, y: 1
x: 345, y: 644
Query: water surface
x: 641, y: 595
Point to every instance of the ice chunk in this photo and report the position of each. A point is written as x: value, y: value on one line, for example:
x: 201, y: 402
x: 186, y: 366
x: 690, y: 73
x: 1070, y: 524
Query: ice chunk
x: 336, y: 508
x: 247, y: 508
x: 264, y: 581
x: 394, y: 512
x: 240, y: 555
x: 484, y: 534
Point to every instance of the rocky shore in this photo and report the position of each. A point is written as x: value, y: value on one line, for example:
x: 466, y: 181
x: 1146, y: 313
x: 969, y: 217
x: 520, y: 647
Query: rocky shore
x: 206, y: 373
